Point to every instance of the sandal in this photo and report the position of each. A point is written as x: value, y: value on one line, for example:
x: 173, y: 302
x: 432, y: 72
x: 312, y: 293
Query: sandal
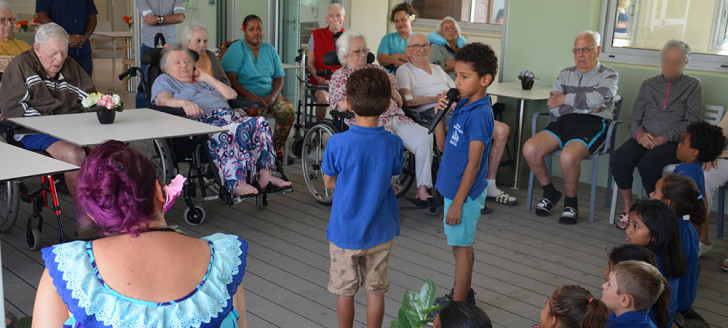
x: 544, y: 207
x: 622, y: 221
x: 271, y: 189
x: 429, y: 203
x: 503, y: 198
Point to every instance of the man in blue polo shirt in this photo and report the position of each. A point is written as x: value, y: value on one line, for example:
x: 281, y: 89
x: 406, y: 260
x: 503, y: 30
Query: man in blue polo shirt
x: 78, y: 18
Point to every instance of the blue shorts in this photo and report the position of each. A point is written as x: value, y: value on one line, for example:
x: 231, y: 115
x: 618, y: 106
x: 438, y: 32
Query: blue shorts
x: 462, y: 234
x: 37, y: 141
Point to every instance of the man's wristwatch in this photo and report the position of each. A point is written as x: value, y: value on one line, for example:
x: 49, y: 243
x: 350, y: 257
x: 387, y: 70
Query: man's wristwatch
x: 160, y: 20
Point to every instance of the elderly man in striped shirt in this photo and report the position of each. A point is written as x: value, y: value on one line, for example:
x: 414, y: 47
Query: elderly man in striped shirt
x: 582, y: 101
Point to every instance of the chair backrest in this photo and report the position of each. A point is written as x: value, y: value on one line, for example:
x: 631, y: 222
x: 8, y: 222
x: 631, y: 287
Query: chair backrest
x: 713, y: 113
x: 331, y: 59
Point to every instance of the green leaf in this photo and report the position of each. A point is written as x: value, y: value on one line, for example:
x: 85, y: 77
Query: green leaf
x: 428, y: 293
x: 411, y: 305
x: 404, y: 321
x: 395, y: 324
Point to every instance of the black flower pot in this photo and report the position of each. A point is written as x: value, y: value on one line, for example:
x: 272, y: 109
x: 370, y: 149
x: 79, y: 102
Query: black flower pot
x: 106, y: 116
x: 526, y: 84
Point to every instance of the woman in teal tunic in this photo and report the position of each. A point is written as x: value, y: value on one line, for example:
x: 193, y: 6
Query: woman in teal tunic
x: 391, y: 48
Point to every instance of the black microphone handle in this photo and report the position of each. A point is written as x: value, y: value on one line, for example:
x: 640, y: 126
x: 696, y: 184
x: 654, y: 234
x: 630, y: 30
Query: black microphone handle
x: 439, y: 116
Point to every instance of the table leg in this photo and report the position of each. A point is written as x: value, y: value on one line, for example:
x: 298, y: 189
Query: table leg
x: 517, y: 144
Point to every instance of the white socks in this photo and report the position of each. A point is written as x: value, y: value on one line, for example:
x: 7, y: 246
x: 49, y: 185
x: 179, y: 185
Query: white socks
x: 492, y: 190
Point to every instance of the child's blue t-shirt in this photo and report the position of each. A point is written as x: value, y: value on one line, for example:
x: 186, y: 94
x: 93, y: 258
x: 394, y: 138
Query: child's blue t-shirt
x: 689, y: 280
x: 693, y: 171
x: 633, y: 319
x: 674, y: 286
x: 473, y: 122
x: 364, y: 213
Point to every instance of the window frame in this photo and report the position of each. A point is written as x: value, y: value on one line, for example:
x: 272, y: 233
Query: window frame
x: 701, y: 62
x: 465, y: 27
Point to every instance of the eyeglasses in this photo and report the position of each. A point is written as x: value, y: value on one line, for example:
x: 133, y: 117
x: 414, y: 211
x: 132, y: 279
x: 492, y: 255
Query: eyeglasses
x: 7, y: 20
x: 360, y: 52
x: 419, y: 47
x: 584, y: 50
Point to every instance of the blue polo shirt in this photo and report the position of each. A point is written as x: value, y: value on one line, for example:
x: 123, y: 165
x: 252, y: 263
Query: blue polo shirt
x: 693, y: 171
x: 689, y: 281
x: 365, y: 212
x: 255, y: 74
x: 72, y: 15
x: 633, y: 319
x: 674, y: 286
x: 473, y: 122
x: 392, y: 43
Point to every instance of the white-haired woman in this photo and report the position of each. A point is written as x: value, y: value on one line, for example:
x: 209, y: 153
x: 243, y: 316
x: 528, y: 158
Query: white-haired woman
x: 194, y: 36
x: 446, y: 41
x: 244, y: 153
x: 352, y: 52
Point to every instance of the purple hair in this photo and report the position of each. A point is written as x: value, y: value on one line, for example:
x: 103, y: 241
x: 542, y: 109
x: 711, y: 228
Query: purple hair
x: 117, y: 188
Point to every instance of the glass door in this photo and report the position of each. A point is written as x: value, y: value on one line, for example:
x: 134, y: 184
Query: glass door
x: 289, y: 41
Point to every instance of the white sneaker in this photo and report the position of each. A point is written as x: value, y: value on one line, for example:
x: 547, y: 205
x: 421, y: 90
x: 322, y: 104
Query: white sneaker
x: 704, y: 249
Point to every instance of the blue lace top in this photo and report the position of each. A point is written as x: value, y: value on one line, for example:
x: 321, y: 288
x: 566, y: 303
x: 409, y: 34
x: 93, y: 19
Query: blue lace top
x: 93, y: 303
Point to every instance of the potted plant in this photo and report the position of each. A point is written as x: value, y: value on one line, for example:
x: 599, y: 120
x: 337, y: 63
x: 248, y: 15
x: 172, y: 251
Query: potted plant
x: 416, y: 306
x: 105, y: 106
x: 526, y: 78
x: 23, y: 25
x: 128, y: 21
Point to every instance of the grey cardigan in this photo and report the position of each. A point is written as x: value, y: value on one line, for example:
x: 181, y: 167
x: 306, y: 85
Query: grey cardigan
x: 666, y: 107
x: 216, y: 67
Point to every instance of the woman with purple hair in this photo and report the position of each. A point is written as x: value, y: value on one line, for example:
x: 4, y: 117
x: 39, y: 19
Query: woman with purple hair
x: 139, y: 272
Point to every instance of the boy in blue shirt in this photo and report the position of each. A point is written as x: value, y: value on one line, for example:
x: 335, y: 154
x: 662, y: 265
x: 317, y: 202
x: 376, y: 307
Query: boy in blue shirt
x: 702, y: 143
x: 465, y: 144
x: 360, y: 164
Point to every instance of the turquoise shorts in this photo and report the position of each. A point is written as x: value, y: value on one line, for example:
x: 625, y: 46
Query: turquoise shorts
x: 462, y: 234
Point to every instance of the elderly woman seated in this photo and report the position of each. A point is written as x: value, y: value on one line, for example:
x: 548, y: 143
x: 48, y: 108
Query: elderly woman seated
x: 245, y: 148
x: 446, y: 41
x: 140, y: 270
x: 352, y: 52
x: 194, y: 35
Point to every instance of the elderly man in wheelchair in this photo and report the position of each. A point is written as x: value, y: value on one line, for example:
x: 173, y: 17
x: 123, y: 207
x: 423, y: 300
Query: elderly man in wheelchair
x: 42, y: 81
x: 244, y: 153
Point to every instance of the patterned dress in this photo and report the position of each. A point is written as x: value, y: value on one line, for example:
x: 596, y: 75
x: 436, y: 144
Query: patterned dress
x: 92, y: 303
x: 337, y: 88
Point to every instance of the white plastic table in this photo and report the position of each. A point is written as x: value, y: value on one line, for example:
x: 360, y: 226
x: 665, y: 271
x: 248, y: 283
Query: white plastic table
x: 19, y: 163
x: 514, y: 90
x: 141, y: 124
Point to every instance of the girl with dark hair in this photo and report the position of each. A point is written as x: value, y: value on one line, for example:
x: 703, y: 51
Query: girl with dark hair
x: 573, y: 307
x: 462, y: 315
x: 653, y: 224
x: 681, y: 193
x: 629, y: 252
x: 140, y: 270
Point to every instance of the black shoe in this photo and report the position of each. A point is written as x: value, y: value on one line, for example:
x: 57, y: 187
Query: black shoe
x: 568, y: 216
x: 447, y: 299
x: 544, y: 207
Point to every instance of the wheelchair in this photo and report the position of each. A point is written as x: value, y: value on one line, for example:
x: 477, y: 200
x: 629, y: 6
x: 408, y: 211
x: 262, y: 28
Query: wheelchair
x: 12, y: 191
x: 306, y: 107
x: 315, y: 140
x: 167, y: 154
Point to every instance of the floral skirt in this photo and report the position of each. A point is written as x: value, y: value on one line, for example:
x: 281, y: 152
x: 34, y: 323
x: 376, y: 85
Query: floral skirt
x: 243, y: 149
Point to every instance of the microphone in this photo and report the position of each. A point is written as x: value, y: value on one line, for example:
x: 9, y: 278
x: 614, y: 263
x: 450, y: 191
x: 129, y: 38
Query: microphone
x: 453, y: 95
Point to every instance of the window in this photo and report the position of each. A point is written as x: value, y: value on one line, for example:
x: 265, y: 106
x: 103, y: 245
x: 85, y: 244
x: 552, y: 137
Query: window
x: 469, y: 11
x: 637, y: 30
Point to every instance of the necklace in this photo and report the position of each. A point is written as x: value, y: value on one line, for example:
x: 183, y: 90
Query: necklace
x: 6, y: 52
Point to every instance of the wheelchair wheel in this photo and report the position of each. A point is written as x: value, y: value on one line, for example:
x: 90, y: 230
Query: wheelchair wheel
x: 407, y: 178
x: 261, y: 200
x: 312, y: 154
x: 162, y: 160
x: 195, y: 215
x: 297, y: 146
x: 9, y: 196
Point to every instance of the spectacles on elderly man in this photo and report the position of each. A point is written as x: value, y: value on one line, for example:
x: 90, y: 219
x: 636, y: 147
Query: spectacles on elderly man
x: 360, y: 52
x: 584, y: 50
x: 419, y: 47
x: 4, y: 20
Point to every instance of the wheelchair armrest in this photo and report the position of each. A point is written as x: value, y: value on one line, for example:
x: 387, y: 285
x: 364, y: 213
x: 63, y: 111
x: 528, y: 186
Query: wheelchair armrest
x: 534, y: 120
x: 335, y: 114
x: 243, y: 103
x: 169, y: 110
x: 611, y: 134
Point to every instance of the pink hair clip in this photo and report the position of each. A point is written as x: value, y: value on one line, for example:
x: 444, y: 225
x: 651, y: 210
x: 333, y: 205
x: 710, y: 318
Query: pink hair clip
x: 591, y: 299
x: 172, y: 190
